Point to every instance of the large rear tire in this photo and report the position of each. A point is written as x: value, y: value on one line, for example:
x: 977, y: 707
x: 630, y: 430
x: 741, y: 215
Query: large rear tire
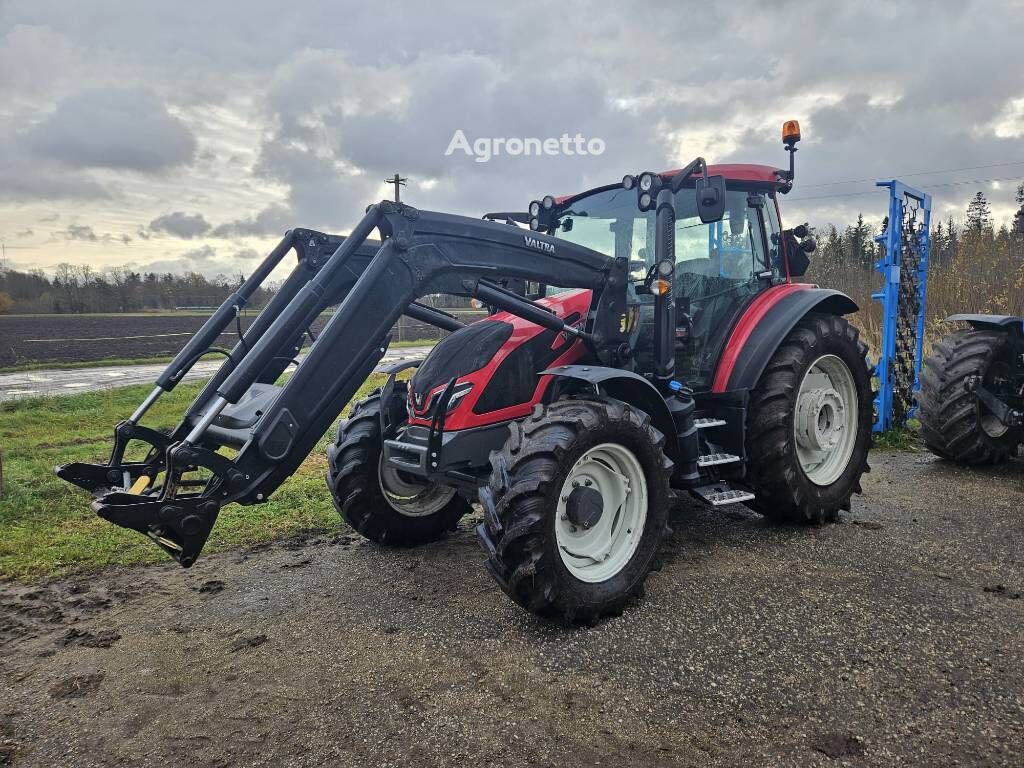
x: 809, y: 423
x: 576, y: 508
x: 954, y: 425
x: 383, y: 505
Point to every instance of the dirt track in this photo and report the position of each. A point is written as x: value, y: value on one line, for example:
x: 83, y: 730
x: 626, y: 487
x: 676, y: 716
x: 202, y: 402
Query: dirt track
x: 894, y: 637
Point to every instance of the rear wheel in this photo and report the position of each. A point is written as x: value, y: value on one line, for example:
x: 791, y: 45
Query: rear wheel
x: 576, y: 508
x: 954, y: 424
x: 383, y: 504
x: 809, y: 423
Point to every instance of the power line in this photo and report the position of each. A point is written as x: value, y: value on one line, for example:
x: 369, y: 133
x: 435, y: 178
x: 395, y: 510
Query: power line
x: 930, y: 186
x: 916, y: 173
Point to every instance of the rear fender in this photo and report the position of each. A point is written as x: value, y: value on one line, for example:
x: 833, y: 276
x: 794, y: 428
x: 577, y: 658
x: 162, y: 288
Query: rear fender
x: 1003, y: 323
x: 763, y: 326
x: 627, y: 386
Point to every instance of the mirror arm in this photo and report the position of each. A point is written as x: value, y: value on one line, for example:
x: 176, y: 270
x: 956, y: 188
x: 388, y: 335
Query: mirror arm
x: 680, y: 178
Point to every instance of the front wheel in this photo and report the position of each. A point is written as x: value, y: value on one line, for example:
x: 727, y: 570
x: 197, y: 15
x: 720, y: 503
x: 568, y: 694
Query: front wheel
x: 383, y: 504
x: 576, y: 508
x: 809, y: 423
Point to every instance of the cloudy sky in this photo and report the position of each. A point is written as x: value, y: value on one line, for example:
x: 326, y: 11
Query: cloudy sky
x: 175, y: 136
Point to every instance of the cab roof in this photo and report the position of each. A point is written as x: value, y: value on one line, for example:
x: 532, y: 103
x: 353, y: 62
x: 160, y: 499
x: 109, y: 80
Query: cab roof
x: 764, y: 174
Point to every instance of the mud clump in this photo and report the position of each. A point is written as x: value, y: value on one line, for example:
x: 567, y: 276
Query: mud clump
x: 77, y: 686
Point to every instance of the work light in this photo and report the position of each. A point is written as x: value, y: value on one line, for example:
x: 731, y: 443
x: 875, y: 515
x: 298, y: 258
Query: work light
x: 535, y: 208
x: 548, y: 202
x: 628, y: 181
x: 649, y: 181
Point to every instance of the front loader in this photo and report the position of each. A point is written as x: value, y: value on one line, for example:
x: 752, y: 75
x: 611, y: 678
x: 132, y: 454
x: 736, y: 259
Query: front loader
x: 645, y: 338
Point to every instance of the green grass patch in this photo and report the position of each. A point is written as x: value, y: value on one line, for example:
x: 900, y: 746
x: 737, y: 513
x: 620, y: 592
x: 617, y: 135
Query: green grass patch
x: 46, y: 525
x: 900, y: 438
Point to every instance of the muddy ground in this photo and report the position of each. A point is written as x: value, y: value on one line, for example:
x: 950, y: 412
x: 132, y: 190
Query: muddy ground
x: 894, y: 637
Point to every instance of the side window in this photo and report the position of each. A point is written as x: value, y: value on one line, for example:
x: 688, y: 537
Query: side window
x: 773, y: 235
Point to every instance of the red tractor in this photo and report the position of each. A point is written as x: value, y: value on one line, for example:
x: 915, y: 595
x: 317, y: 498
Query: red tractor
x: 645, y: 338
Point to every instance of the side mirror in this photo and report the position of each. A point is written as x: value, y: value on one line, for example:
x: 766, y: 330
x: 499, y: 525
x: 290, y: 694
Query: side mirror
x: 798, y: 251
x: 710, y: 194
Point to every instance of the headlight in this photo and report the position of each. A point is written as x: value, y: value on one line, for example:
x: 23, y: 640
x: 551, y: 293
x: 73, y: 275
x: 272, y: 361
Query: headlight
x: 457, y: 395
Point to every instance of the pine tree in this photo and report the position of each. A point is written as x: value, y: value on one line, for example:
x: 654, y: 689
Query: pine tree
x: 937, y: 245
x: 1018, y: 217
x: 979, y: 214
x: 858, y: 237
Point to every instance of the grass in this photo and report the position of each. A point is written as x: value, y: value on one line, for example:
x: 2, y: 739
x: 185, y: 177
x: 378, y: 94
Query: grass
x: 38, y: 365
x: 900, y: 438
x: 46, y: 525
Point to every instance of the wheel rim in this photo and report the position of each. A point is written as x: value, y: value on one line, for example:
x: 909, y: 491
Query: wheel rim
x: 825, y: 422
x: 410, y: 496
x: 998, y: 373
x: 595, y: 549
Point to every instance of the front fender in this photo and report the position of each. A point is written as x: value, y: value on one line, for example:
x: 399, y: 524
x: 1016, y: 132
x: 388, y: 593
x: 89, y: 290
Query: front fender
x: 763, y: 326
x: 629, y: 387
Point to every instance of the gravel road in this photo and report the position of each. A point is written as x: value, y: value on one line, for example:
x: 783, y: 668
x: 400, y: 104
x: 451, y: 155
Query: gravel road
x: 892, y: 638
x: 68, y: 381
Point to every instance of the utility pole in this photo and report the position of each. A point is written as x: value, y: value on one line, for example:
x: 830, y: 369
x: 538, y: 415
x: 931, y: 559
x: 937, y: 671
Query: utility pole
x: 398, y: 181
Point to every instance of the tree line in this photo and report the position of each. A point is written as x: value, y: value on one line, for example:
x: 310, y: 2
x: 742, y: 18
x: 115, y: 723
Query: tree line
x: 80, y: 288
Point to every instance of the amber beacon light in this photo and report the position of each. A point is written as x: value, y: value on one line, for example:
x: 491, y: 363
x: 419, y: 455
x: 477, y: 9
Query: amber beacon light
x: 790, y: 132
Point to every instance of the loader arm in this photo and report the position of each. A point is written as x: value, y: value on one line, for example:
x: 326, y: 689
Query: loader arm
x: 420, y: 253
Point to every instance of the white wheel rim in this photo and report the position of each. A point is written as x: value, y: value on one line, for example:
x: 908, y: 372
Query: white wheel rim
x: 411, y: 498
x: 599, y: 552
x: 825, y: 422
x: 991, y: 425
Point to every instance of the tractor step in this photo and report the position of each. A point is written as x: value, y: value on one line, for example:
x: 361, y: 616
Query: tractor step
x: 713, y: 459
x: 719, y: 494
x: 709, y: 423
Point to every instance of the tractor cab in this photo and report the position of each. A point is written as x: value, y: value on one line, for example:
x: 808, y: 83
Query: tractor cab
x: 701, y: 243
x: 720, y: 266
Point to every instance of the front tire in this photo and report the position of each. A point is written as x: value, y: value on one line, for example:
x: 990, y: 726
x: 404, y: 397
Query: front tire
x: 809, y: 423
x: 378, y: 502
x: 954, y: 425
x: 576, y: 508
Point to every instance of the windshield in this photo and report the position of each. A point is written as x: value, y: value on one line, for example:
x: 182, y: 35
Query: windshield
x: 719, y: 266
x: 611, y: 223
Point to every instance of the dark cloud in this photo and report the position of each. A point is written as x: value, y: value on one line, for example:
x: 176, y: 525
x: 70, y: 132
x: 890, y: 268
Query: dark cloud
x: 27, y: 179
x: 272, y: 220
x: 80, y: 232
x: 200, y: 254
x: 179, y: 224
x: 117, y: 128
